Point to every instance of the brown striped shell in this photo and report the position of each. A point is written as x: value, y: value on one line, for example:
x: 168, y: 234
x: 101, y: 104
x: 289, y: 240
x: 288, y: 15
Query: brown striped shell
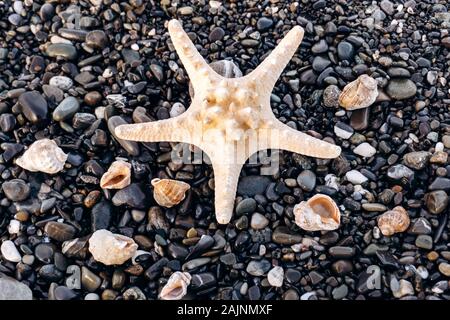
x: 359, y: 94
x: 118, y: 176
x: 393, y: 221
x: 318, y: 213
x: 168, y: 192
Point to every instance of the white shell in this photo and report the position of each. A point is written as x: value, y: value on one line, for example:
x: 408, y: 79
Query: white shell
x: 359, y: 94
x: 318, y: 213
x: 43, y: 155
x: 111, y: 249
x: 176, y: 286
x: 118, y: 176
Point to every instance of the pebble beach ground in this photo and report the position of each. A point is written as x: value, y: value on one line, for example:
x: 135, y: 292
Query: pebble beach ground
x: 73, y: 71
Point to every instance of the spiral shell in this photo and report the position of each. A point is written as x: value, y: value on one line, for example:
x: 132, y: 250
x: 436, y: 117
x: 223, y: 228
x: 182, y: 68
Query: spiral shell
x: 176, y: 286
x: 393, y: 221
x: 318, y: 213
x: 118, y: 176
x: 359, y: 94
x: 43, y: 155
x: 168, y: 193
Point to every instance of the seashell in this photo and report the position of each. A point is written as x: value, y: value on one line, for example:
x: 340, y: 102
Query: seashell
x: 111, y: 249
x: 359, y: 94
x: 118, y: 176
x: 318, y: 213
x: 176, y: 286
x: 393, y: 221
x: 168, y: 193
x: 43, y: 155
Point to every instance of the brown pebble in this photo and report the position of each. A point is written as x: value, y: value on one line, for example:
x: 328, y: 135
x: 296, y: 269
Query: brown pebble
x: 432, y: 255
x: 93, y: 98
x: 92, y: 198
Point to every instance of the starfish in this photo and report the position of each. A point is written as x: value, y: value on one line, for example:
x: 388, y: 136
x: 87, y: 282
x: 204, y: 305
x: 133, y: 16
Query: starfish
x: 230, y: 119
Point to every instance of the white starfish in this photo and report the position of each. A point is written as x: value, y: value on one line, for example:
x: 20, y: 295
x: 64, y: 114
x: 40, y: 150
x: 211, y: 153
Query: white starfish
x: 230, y: 118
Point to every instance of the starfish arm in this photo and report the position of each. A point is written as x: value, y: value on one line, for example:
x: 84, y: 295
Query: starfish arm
x: 268, y: 72
x: 163, y: 130
x: 285, y: 138
x: 193, y: 62
x: 226, y: 177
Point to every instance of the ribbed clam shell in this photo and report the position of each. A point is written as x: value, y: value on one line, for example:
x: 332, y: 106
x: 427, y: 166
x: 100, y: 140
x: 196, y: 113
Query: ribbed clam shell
x: 168, y: 192
x: 43, y: 155
x: 393, y: 221
x: 318, y: 213
x: 359, y: 94
x: 176, y: 286
x: 118, y: 176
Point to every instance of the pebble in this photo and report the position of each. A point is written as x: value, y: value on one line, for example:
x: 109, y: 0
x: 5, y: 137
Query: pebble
x: 96, y: 39
x: 61, y: 82
x: 401, y: 89
x: 355, y: 177
x: 424, y: 242
x: 365, y: 150
x: 306, y: 180
x: 247, y: 205
x: 33, y: 106
x: 275, y: 276
x: 417, y: 160
x: 258, y: 268
x: 90, y: 281
x: 7, y: 122
x: 345, y: 51
x: 60, y: 231
x: 252, y: 185
x: 66, y: 109
x: 264, y: 23
x: 130, y: 146
x: 444, y: 268
x: 131, y: 195
x: 331, y: 96
x: 11, y: 289
x: 10, y: 252
x: 16, y: 189
x: 343, y: 130
x: 401, y: 288
x: 436, y: 201
x: 64, y: 50
x: 258, y: 221
x: 399, y: 171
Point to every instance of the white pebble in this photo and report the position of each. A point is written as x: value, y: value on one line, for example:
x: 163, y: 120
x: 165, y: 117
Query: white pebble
x: 177, y: 109
x: 332, y: 181
x: 365, y: 150
x: 343, y: 134
x: 62, y: 82
x: 10, y: 252
x: 439, y: 147
x: 307, y: 295
x: 92, y: 296
x: 137, y: 254
x: 100, y: 112
x: 275, y: 276
x: 107, y: 73
x: 14, y: 226
x: 355, y: 177
x: 135, y: 47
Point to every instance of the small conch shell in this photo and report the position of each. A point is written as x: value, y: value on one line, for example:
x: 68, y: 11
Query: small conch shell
x: 168, y: 193
x: 318, y: 213
x: 359, y: 94
x: 176, y: 286
x: 43, y: 155
x: 393, y: 221
x: 118, y: 176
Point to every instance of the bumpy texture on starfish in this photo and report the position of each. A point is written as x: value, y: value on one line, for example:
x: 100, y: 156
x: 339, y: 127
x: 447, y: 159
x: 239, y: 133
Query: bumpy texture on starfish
x: 230, y: 119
